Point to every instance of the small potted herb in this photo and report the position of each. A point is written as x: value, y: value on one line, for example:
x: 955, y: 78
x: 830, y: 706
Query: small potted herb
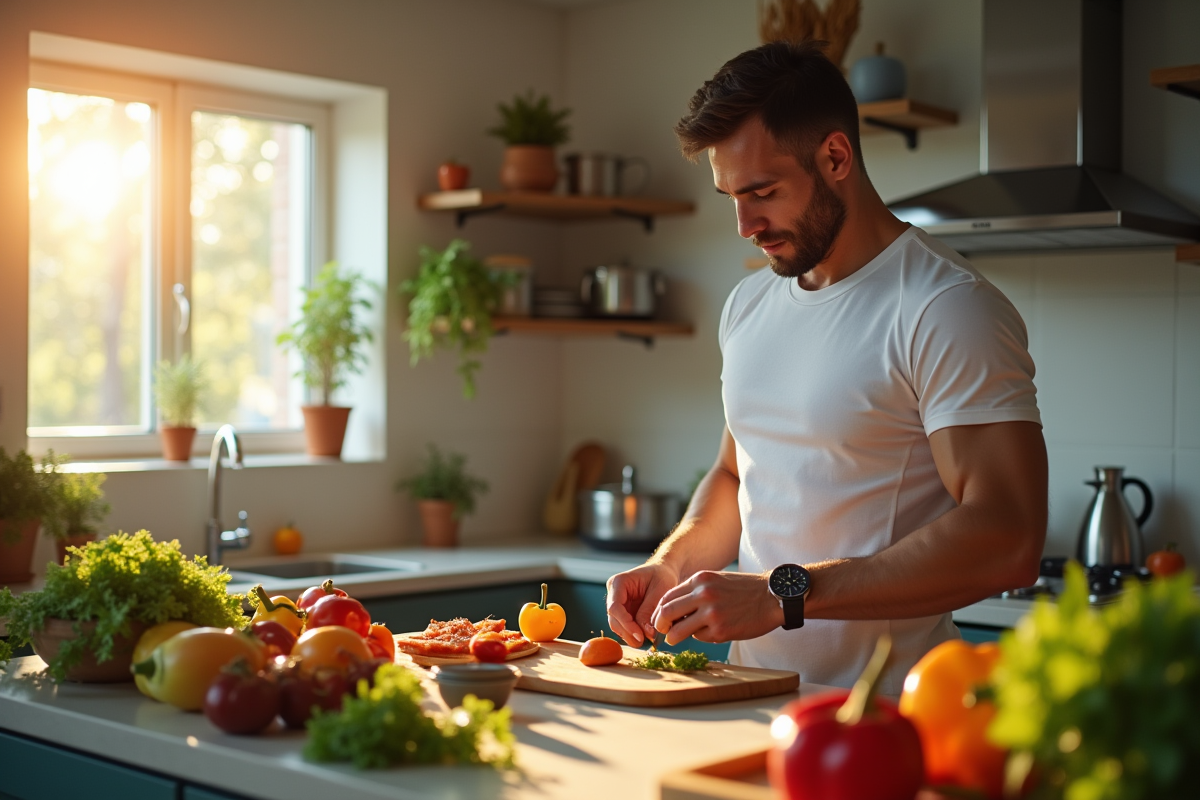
x: 87, y: 620
x: 444, y: 493
x: 26, y: 496
x: 179, y: 389
x: 330, y: 339
x: 531, y: 129
x: 453, y: 298
x: 77, y: 509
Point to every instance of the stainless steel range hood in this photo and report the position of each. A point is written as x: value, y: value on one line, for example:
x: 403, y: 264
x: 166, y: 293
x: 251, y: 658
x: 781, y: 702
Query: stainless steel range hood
x: 1050, y: 149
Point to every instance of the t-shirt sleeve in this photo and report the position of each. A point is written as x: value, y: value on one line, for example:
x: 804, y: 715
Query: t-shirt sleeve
x: 970, y: 360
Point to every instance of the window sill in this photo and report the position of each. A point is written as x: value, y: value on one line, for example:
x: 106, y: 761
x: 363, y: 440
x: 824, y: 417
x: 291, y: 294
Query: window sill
x: 201, y: 463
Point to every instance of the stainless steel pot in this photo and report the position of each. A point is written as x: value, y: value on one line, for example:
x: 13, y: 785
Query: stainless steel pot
x: 621, y: 291
x: 614, y: 516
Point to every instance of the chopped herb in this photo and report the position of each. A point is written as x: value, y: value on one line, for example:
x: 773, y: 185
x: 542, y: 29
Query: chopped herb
x: 687, y: 661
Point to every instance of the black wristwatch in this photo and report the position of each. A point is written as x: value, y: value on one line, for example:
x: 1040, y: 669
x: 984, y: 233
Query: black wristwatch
x: 789, y: 584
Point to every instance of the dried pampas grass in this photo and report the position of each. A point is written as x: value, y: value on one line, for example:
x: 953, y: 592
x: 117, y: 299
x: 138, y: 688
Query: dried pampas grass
x: 797, y: 20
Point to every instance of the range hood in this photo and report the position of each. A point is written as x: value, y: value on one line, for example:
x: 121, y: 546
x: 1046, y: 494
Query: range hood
x: 1050, y: 149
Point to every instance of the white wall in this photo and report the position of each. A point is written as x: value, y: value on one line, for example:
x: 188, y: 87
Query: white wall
x: 1115, y: 335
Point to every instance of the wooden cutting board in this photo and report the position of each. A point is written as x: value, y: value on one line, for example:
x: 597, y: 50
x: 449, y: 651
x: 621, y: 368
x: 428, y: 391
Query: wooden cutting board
x: 555, y: 669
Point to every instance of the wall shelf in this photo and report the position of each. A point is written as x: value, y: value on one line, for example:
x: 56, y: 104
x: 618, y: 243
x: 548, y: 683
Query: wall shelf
x: 1181, y: 80
x: 904, y: 117
x: 466, y: 203
x: 639, y: 330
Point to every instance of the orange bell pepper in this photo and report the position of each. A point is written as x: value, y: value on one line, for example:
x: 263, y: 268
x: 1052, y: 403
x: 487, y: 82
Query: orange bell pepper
x: 542, y: 622
x: 945, y: 696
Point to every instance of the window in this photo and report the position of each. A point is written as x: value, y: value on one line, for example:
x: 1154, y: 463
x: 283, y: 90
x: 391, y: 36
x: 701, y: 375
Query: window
x: 166, y: 218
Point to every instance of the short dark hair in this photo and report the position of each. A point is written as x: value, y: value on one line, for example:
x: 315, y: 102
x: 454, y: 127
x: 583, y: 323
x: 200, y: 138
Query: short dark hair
x: 798, y: 93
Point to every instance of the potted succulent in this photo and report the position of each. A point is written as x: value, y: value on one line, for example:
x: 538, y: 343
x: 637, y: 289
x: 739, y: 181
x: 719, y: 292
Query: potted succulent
x: 329, y: 340
x: 26, y: 496
x: 179, y: 388
x: 77, y: 508
x: 453, y: 298
x: 444, y: 493
x: 531, y: 129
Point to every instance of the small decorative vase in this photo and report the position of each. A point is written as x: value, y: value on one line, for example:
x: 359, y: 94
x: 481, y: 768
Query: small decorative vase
x: 438, y: 525
x: 878, y: 77
x: 453, y: 176
x: 78, y: 540
x: 48, y: 640
x: 177, y: 442
x: 325, y: 429
x: 529, y: 168
x: 17, y: 542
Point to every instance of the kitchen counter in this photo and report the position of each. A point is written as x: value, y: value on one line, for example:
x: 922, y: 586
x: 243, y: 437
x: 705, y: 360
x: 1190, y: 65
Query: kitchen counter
x: 566, y: 748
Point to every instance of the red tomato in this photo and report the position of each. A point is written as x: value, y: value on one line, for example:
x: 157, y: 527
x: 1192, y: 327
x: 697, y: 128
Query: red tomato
x: 452, y: 175
x: 278, y: 639
x: 364, y: 671
x: 300, y: 694
x: 344, y: 611
x: 381, y: 642
x: 241, y: 701
x: 488, y: 646
x: 1165, y: 562
x: 314, y: 593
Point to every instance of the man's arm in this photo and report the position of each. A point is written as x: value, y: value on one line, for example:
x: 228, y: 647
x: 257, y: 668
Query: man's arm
x: 990, y: 542
x: 707, y: 538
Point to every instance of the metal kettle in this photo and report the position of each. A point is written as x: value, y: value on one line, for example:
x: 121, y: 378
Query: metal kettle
x: 1111, y: 535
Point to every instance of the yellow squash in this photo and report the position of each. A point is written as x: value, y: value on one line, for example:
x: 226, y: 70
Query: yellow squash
x: 181, y: 668
x: 542, y: 622
x: 149, y: 641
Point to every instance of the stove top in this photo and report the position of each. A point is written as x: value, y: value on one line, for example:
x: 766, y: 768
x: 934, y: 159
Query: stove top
x: 1104, y: 582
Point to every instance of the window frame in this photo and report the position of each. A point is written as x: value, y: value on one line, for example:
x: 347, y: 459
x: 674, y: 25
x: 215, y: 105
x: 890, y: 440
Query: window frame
x: 174, y: 101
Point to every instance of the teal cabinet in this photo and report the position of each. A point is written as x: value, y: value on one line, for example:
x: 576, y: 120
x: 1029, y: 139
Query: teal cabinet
x: 978, y: 634
x: 31, y: 770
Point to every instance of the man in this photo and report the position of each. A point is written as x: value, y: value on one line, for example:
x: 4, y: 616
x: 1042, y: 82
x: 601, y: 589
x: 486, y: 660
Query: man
x: 882, y: 462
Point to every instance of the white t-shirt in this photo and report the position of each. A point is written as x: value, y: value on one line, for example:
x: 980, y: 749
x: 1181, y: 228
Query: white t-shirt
x: 830, y: 396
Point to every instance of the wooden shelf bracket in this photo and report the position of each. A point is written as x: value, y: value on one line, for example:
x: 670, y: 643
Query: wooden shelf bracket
x: 909, y: 133
x: 463, y: 214
x: 647, y: 220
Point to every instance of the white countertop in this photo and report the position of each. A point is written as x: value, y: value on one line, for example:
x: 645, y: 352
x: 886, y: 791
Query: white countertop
x: 566, y: 748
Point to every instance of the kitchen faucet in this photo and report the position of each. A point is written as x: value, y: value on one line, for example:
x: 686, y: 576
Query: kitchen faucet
x: 218, y: 539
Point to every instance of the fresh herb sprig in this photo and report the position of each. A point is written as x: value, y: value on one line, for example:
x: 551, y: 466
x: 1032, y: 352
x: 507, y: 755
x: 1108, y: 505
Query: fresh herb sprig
x: 385, y: 725
x: 685, y: 661
x: 122, y: 579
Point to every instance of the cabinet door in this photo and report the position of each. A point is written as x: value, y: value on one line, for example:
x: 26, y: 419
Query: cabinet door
x: 978, y: 634
x: 30, y: 770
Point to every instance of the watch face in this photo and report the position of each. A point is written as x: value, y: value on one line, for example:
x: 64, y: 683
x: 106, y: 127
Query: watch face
x: 788, y: 581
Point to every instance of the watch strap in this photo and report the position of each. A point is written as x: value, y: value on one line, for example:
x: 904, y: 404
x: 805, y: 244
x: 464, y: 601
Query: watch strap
x: 793, y: 612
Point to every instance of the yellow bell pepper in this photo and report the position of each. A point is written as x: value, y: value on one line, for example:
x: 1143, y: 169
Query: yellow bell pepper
x: 149, y: 641
x: 279, y: 609
x: 181, y: 668
x: 542, y: 622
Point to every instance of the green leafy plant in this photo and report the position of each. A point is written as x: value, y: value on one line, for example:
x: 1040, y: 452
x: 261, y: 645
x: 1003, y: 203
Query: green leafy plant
x: 78, y: 505
x: 529, y: 120
x: 445, y: 478
x: 327, y: 335
x: 386, y: 725
x: 453, y: 297
x: 1104, y: 701
x: 179, y: 389
x: 27, y: 491
x: 684, y: 661
x: 122, y: 579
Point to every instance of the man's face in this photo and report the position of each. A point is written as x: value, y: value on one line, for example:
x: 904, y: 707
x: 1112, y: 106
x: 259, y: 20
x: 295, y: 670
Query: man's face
x: 781, y: 207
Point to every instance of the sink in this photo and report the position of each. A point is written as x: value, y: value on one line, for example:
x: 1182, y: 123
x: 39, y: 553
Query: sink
x: 328, y: 567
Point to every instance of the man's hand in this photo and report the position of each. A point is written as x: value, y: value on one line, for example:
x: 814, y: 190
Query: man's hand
x: 632, y: 598
x: 718, y: 607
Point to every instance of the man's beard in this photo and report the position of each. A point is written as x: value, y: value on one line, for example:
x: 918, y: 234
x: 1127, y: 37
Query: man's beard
x: 812, y: 234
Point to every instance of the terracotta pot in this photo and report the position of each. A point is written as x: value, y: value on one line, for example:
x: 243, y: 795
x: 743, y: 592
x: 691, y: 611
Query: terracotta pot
x: 79, y: 540
x: 16, y: 557
x: 177, y: 442
x: 324, y: 429
x: 50, y: 638
x: 529, y: 168
x: 438, y: 525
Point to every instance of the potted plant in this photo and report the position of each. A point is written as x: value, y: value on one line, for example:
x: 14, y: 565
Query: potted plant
x: 453, y: 297
x: 444, y: 493
x: 179, y: 388
x: 329, y: 340
x: 77, y: 507
x: 26, y: 496
x: 531, y: 130
x: 87, y: 619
